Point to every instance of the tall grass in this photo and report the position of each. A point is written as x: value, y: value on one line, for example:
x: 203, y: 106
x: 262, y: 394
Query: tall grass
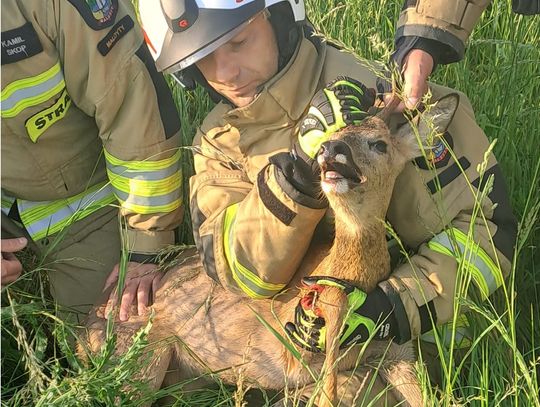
x: 501, y: 76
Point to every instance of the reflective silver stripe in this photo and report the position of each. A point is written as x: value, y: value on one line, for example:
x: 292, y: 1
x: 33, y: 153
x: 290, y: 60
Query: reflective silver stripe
x: 143, y: 175
x: 32, y: 91
x: 7, y: 202
x: 148, y: 201
x: 472, y: 257
x: 39, y: 228
x: 462, y: 336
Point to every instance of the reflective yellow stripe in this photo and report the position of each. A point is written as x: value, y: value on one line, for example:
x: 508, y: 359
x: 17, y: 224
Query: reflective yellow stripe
x: 486, y: 275
x: 27, y: 92
x: 146, y: 164
x: 148, y: 210
x: 248, y: 281
x: 459, y: 339
x: 7, y: 202
x: 146, y: 188
x: 46, y: 218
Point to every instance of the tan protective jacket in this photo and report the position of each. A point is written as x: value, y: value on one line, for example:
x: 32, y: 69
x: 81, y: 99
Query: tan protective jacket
x: 448, y: 22
x: 86, y: 117
x: 252, y: 227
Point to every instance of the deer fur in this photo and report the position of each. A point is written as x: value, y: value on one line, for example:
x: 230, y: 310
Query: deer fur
x: 217, y: 331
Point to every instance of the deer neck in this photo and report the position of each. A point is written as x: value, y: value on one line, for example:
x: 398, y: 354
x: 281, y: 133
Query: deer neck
x: 359, y: 254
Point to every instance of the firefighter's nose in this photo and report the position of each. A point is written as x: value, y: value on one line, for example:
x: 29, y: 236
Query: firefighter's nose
x: 335, y: 150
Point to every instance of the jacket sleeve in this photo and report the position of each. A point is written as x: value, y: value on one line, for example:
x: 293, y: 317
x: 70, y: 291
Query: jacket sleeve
x: 111, y: 76
x: 244, y: 228
x: 469, y: 227
x: 447, y: 24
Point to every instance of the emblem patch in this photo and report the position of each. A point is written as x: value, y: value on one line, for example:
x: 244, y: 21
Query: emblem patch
x: 439, y: 155
x: 20, y: 43
x: 41, y: 121
x: 117, y: 32
x: 98, y: 14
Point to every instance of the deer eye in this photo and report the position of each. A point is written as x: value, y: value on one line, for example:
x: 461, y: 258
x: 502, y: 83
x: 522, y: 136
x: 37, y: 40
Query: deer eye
x: 379, y: 146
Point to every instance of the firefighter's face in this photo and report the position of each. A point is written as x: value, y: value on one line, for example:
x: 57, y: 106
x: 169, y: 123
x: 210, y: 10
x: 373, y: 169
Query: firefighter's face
x: 239, y: 67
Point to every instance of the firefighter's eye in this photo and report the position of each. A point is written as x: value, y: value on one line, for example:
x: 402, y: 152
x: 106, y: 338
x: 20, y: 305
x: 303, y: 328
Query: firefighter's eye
x: 379, y: 146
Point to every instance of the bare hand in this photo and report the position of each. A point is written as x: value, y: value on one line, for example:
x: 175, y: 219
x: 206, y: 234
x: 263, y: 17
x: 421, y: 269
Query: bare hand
x: 417, y: 67
x: 11, y: 266
x: 142, y: 282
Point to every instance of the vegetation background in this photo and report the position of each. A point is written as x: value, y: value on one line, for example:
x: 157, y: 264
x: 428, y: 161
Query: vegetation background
x: 501, y: 76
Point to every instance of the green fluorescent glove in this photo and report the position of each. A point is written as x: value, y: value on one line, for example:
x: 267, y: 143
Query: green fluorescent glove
x: 343, y: 102
x: 366, y: 312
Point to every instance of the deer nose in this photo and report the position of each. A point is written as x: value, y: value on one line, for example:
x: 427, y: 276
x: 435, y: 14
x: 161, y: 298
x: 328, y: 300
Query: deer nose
x: 335, y: 150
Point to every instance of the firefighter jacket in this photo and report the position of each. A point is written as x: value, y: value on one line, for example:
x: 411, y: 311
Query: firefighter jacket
x: 448, y: 23
x: 252, y: 227
x: 86, y: 121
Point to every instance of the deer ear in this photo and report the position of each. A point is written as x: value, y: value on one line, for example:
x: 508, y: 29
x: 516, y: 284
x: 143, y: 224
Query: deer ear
x: 434, y: 121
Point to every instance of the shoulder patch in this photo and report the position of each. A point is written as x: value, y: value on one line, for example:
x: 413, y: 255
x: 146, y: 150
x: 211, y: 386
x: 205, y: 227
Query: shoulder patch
x: 98, y: 14
x: 115, y: 34
x: 439, y: 155
x: 20, y: 43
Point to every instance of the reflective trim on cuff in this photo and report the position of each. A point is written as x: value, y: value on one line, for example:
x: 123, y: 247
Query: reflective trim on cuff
x: 247, y: 280
x: 454, y: 243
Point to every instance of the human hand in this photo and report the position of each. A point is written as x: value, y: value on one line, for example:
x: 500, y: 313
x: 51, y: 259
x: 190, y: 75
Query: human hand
x: 11, y: 266
x: 417, y: 66
x: 309, y: 331
x: 140, y: 286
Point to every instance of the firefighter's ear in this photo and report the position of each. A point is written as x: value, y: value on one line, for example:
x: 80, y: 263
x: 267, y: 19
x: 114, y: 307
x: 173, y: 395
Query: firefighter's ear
x: 421, y: 130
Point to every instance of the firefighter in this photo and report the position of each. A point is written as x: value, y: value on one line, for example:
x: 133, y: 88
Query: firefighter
x: 255, y: 205
x: 89, y: 132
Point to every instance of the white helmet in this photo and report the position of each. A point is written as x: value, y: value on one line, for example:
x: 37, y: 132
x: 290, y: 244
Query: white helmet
x: 181, y: 32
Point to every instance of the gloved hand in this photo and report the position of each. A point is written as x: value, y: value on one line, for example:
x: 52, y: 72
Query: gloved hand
x: 342, y: 102
x: 367, y: 312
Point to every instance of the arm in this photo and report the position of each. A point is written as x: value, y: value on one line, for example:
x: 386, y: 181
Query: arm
x: 252, y: 236
x: 110, y: 75
x: 438, y: 27
x: 245, y: 231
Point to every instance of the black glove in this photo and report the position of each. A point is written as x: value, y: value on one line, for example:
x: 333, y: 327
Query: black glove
x: 367, y: 310
x: 342, y: 102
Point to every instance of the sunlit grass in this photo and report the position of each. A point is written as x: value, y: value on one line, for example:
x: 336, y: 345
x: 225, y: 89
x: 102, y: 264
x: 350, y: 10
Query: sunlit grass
x: 501, y: 76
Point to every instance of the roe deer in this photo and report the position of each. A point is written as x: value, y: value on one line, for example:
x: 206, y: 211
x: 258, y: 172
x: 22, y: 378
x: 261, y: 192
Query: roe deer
x: 222, y: 331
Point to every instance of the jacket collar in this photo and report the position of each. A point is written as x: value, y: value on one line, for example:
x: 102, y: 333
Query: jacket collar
x: 283, y: 99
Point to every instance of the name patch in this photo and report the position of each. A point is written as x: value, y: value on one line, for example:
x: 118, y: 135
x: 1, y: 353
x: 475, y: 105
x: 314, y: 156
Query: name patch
x: 20, y: 43
x: 117, y: 32
x: 41, y: 121
x: 98, y: 14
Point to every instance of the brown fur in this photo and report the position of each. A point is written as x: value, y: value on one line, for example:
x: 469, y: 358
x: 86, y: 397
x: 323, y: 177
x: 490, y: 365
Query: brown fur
x: 218, y: 331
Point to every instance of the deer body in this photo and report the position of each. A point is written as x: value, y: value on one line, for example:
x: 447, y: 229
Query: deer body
x: 217, y: 331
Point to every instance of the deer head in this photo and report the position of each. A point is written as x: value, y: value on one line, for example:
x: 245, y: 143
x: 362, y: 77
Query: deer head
x: 360, y: 164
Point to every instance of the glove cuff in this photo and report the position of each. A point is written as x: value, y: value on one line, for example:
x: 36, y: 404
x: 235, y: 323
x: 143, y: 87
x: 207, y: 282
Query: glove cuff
x: 378, y: 308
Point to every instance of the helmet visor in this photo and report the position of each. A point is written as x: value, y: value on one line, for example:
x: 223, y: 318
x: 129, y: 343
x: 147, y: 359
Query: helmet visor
x: 212, y: 29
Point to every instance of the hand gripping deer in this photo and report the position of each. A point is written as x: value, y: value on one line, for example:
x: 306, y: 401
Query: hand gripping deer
x: 223, y: 332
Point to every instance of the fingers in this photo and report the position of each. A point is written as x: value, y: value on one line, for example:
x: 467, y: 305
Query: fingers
x: 112, y: 278
x: 416, y: 70
x: 141, y: 284
x: 14, y: 245
x: 130, y: 291
x: 11, y: 267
